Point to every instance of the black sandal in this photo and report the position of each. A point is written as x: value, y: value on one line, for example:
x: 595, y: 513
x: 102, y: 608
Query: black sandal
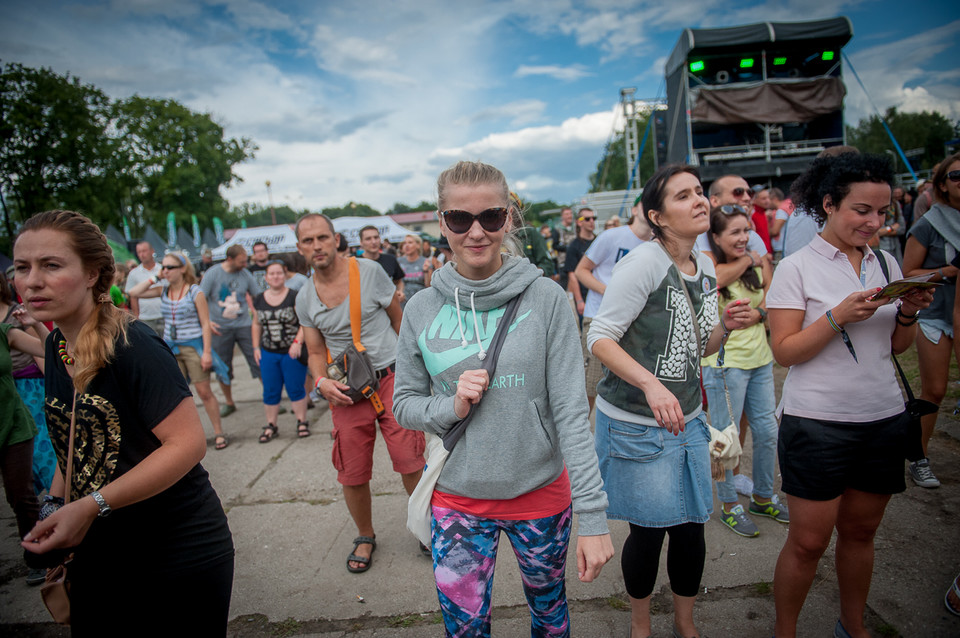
x: 303, y: 429
x: 363, y: 560
x: 269, y: 433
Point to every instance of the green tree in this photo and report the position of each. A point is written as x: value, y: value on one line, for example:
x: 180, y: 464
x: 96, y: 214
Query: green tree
x: 54, y: 147
x: 256, y: 214
x: 611, y: 173
x: 926, y: 130
x: 400, y: 207
x: 351, y: 210
x: 176, y: 160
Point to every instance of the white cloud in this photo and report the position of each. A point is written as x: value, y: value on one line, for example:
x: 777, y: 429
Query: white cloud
x: 517, y: 113
x: 565, y: 73
x: 896, y: 74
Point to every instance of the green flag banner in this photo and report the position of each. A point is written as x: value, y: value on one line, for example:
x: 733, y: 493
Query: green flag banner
x: 171, y: 230
x: 196, y: 231
x: 218, y: 229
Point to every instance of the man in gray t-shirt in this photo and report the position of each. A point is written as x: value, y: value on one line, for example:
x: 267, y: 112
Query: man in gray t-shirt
x: 228, y: 289
x: 323, y: 307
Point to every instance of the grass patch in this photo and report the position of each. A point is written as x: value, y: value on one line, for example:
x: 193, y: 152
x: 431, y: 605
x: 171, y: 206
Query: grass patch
x: 763, y: 588
x: 407, y: 620
x: 288, y: 627
x: 615, y: 602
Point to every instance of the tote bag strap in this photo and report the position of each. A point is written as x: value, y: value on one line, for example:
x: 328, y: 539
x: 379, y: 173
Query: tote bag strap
x: 489, y: 364
x: 68, y: 478
x: 356, y: 315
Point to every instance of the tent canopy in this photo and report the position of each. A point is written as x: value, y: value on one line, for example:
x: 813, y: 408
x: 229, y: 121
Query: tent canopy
x: 282, y: 239
x: 350, y: 227
x: 279, y: 239
x: 837, y: 31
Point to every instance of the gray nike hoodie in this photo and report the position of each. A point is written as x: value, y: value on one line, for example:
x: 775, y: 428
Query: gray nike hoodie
x: 533, y: 417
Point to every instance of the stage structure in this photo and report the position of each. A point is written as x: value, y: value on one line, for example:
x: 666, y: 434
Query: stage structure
x: 758, y: 100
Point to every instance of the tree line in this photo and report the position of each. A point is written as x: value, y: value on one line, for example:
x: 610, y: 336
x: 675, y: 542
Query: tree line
x: 66, y: 144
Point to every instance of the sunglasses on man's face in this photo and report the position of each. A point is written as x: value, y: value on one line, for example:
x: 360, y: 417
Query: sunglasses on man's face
x: 588, y: 218
x: 954, y: 176
x: 460, y: 221
x: 739, y: 192
x: 732, y: 209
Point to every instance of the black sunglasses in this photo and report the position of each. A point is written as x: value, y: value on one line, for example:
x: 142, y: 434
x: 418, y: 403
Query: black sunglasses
x: 589, y: 219
x: 168, y: 267
x: 738, y: 192
x: 732, y: 209
x: 954, y: 176
x: 460, y: 221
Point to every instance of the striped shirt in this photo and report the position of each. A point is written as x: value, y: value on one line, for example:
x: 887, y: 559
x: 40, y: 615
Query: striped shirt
x: 180, y: 319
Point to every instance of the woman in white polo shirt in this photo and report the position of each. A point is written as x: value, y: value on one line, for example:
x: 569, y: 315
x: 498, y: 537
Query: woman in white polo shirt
x: 841, y: 432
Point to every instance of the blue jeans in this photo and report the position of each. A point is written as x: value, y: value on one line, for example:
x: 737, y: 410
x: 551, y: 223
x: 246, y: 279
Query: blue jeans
x: 751, y: 392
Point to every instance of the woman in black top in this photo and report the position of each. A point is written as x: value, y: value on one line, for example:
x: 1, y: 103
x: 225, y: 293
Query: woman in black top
x: 277, y: 347
x: 153, y: 555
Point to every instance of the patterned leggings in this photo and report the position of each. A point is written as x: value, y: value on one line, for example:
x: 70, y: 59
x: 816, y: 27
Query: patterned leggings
x: 464, y: 554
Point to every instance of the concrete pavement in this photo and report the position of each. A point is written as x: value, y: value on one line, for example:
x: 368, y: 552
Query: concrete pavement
x: 293, y: 533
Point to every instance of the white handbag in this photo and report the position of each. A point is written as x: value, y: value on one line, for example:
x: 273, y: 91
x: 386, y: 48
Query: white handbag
x: 419, y: 511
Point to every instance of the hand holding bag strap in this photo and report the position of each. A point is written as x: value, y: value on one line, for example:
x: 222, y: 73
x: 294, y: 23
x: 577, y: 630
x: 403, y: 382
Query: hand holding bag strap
x: 489, y: 364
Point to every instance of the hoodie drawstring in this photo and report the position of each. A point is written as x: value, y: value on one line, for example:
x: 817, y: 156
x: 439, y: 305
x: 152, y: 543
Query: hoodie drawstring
x: 476, y: 326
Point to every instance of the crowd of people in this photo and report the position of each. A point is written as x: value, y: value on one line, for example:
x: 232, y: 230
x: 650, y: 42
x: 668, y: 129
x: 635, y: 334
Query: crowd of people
x: 707, y: 289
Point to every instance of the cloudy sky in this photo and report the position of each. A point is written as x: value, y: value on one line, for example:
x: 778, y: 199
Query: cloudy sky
x: 368, y: 101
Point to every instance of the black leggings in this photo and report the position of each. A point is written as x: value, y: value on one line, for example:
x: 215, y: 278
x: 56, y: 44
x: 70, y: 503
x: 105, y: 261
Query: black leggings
x: 640, y: 559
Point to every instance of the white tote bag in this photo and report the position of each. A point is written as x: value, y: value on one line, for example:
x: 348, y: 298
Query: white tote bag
x: 419, y: 512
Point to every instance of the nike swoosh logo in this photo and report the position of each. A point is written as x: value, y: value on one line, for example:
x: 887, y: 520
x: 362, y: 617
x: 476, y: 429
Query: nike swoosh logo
x: 438, y: 362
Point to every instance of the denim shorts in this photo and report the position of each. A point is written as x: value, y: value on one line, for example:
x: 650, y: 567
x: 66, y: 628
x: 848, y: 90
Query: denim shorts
x: 653, y: 478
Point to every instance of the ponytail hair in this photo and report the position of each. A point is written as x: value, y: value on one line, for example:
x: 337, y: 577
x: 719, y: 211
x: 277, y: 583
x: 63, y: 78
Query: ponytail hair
x: 97, y: 341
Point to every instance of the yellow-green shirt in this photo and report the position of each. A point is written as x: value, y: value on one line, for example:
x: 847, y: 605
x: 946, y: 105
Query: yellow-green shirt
x: 748, y: 348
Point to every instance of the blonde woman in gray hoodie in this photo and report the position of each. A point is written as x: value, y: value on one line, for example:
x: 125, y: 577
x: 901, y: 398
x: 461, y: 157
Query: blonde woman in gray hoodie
x: 526, y: 461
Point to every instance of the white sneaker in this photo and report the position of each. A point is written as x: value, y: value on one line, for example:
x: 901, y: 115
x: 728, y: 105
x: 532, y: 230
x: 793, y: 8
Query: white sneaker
x: 743, y: 484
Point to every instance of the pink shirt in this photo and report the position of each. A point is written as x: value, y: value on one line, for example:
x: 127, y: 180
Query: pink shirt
x: 832, y: 386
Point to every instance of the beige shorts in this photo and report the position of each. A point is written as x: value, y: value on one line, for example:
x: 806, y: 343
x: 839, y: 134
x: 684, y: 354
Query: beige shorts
x: 190, y: 365
x: 592, y: 369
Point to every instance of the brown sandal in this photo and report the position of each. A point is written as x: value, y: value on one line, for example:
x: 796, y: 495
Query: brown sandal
x: 269, y: 433
x: 220, y: 442
x: 303, y: 429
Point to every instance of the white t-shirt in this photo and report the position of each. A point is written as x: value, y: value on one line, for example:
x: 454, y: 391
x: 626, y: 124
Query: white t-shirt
x: 754, y: 243
x: 777, y: 242
x: 149, y: 308
x: 832, y: 386
x: 605, y: 251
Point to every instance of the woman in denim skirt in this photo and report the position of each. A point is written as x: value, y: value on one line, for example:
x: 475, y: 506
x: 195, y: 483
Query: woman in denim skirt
x: 651, y: 436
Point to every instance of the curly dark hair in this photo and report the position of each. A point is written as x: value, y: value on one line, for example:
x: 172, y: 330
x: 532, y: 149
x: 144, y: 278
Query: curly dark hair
x: 833, y: 176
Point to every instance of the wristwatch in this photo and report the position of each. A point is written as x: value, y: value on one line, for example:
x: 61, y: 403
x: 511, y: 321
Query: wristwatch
x: 763, y: 314
x: 102, y: 504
